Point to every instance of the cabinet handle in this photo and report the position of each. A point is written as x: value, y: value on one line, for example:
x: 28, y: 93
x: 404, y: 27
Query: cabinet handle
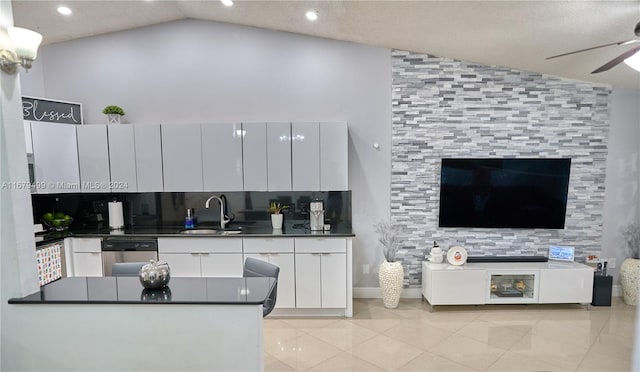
x: 316, y: 254
x: 205, y: 254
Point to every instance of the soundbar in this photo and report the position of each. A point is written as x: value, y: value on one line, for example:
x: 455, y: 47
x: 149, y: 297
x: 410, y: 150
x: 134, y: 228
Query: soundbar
x: 471, y: 259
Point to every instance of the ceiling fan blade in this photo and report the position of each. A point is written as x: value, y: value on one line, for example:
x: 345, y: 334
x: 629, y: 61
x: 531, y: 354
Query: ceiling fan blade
x: 609, y: 65
x: 625, y: 42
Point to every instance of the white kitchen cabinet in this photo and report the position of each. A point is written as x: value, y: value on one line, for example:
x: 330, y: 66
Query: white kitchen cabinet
x: 122, y: 158
x: 279, y: 156
x: 202, y: 256
x: 333, y: 157
x: 86, y: 257
x: 254, y: 156
x: 55, y: 155
x: 93, y: 158
x: 148, y: 151
x: 305, y: 156
x: 222, y: 157
x: 279, y: 252
x: 182, y: 264
x: 321, y: 273
x: 221, y: 264
x: 182, y: 157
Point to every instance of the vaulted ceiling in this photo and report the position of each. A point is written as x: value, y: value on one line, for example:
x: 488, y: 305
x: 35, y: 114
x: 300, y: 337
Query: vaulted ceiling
x: 516, y: 34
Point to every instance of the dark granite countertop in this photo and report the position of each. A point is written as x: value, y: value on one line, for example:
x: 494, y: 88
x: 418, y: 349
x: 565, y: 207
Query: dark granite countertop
x: 128, y: 290
x: 239, y: 230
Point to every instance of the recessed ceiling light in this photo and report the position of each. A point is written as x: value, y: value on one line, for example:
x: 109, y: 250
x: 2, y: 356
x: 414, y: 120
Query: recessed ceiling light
x: 312, y: 15
x: 64, y: 10
x: 227, y: 2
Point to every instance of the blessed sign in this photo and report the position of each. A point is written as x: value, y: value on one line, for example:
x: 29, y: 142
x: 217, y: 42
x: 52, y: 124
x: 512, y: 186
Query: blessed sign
x: 38, y: 109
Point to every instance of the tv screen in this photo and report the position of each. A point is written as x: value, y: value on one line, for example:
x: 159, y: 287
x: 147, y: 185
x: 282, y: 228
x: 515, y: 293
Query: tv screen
x: 504, y: 193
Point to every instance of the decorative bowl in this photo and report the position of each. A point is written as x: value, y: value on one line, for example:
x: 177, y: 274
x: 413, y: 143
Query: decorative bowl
x: 155, y: 274
x: 57, y: 224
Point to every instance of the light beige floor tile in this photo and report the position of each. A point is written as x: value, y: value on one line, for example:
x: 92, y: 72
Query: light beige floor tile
x: 561, y: 331
x: 277, y: 335
x: 418, y: 333
x: 376, y: 325
x: 500, y: 336
x: 431, y: 362
x: 513, y: 362
x: 310, y: 322
x: 385, y: 352
x: 621, y: 323
x: 602, y: 362
x: 449, y: 320
x: 302, y: 352
x: 345, y: 362
x: 559, y: 354
x: 469, y: 352
x: 343, y: 334
x: 613, y: 346
x: 272, y: 364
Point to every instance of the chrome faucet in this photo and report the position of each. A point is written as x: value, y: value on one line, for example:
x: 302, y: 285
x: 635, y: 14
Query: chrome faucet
x: 223, y: 221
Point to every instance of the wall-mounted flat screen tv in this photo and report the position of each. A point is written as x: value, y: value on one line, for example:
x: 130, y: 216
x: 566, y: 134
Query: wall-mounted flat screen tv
x: 504, y: 193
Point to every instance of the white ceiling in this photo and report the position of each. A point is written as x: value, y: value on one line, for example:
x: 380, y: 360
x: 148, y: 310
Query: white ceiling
x: 517, y: 34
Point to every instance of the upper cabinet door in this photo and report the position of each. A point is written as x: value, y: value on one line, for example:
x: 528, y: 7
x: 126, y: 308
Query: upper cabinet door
x: 148, y: 150
x: 279, y: 156
x: 122, y: 158
x: 222, y: 157
x: 93, y: 156
x: 333, y: 157
x: 254, y: 156
x: 182, y: 157
x: 305, y: 154
x: 55, y: 156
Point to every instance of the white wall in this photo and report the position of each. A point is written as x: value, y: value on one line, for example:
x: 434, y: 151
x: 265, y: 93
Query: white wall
x: 197, y: 71
x: 622, y: 197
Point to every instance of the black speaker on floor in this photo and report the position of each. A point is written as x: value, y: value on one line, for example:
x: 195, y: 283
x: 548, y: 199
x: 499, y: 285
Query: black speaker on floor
x: 602, y: 285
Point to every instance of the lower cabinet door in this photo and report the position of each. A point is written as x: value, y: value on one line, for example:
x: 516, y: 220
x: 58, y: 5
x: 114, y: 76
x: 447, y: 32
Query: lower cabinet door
x: 221, y: 264
x: 182, y: 264
x: 333, y: 274
x: 87, y: 264
x: 308, y: 289
x: 286, y: 279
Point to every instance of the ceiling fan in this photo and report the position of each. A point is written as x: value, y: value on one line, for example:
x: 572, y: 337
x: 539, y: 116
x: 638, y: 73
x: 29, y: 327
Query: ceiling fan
x: 614, y: 62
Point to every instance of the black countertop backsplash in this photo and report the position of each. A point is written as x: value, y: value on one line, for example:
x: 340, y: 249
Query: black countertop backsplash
x: 163, y: 213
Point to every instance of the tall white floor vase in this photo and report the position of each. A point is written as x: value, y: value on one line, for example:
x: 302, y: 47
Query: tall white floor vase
x: 630, y: 280
x: 391, y: 276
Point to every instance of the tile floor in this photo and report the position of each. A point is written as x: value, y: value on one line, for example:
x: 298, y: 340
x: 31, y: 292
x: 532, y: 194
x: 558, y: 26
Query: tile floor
x: 455, y: 338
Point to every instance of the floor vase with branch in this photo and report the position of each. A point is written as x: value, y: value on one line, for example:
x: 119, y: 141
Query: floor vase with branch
x: 630, y: 268
x: 391, y: 273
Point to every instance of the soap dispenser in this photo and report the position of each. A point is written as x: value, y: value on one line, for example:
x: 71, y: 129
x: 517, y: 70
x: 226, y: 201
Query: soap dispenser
x: 188, y: 220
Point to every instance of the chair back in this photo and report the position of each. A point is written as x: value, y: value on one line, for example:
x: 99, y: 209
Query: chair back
x: 258, y: 268
x: 126, y: 268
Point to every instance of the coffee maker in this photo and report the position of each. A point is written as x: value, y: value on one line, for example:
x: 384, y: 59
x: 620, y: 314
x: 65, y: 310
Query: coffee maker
x: 316, y: 215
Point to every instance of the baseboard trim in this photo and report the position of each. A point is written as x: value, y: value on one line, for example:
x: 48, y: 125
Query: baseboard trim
x: 374, y: 292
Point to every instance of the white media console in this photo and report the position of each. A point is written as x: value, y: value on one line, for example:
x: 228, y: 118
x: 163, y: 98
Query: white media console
x: 507, y: 283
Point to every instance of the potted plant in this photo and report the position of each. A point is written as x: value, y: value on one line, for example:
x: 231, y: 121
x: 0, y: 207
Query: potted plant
x: 391, y: 273
x: 630, y: 268
x: 114, y: 113
x: 276, y: 214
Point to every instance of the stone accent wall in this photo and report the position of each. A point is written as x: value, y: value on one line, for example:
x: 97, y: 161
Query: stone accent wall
x: 447, y: 108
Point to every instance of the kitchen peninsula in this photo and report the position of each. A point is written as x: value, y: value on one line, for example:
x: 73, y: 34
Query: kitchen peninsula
x: 113, y: 323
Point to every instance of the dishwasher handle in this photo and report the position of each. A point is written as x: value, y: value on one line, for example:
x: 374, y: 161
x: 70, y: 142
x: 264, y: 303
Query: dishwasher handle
x: 129, y: 245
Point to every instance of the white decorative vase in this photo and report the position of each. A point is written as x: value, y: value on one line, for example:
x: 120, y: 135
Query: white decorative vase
x: 391, y: 276
x: 113, y: 118
x: 630, y: 280
x: 276, y: 221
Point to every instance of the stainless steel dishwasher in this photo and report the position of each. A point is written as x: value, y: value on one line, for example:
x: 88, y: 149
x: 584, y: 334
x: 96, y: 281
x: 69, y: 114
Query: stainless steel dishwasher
x: 127, y: 250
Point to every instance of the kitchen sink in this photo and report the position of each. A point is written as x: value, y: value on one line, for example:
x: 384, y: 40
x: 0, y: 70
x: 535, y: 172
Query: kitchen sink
x: 210, y: 232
